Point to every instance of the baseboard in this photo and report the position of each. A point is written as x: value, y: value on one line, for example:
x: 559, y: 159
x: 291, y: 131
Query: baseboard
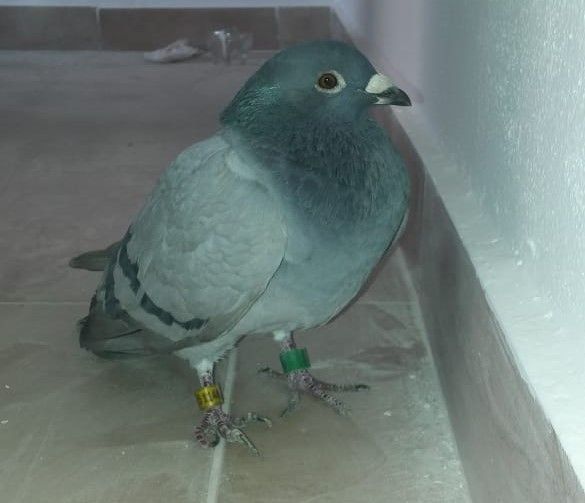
x: 30, y: 27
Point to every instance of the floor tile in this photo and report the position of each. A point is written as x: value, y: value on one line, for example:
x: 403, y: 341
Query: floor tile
x: 395, y: 447
x: 50, y: 27
x: 75, y: 428
x: 303, y: 24
x: 84, y: 148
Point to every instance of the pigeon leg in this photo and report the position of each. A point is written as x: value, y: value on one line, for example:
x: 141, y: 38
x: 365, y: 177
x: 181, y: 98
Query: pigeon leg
x: 216, y: 423
x: 300, y: 380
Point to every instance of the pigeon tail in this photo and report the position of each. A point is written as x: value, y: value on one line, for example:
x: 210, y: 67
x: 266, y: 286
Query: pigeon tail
x: 96, y: 260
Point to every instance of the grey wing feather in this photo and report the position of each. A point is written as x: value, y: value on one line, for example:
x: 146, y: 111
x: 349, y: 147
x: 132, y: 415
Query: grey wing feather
x: 110, y: 332
x: 196, y: 258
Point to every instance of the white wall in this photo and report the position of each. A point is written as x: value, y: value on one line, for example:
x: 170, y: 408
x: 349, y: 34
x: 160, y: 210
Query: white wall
x: 502, y: 84
x: 499, y: 123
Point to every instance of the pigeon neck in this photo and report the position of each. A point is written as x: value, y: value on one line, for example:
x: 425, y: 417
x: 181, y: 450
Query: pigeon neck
x: 336, y: 173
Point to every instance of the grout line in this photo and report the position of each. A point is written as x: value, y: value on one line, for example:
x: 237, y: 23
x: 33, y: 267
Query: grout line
x: 4, y: 186
x: 219, y: 451
x: 278, y: 28
x: 98, y: 21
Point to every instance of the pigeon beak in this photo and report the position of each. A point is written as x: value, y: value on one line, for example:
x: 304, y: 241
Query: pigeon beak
x: 385, y: 92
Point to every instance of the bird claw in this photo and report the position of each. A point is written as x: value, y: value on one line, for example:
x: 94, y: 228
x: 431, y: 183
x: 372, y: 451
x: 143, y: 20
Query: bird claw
x: 302, y: 380
x: 218, y: 424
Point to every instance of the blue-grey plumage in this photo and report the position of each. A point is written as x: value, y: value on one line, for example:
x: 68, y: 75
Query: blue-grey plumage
x: 271, y: 225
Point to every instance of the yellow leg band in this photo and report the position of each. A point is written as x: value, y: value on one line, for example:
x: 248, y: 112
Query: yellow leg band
x: 209, y: 397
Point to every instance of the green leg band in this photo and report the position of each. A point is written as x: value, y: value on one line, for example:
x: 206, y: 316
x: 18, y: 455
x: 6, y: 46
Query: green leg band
x: 294, y: 359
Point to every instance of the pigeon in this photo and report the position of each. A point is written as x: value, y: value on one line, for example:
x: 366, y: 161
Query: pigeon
x: 270, y: 226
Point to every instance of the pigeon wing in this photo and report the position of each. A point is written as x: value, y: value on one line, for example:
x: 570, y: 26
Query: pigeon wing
x: 202, y: 250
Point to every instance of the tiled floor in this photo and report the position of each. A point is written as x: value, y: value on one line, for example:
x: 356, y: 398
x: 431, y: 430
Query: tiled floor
x: 84, y: 136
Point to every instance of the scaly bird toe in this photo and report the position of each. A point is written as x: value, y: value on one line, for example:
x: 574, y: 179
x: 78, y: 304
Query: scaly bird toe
x: 218, y: 424
x: 302, y: 380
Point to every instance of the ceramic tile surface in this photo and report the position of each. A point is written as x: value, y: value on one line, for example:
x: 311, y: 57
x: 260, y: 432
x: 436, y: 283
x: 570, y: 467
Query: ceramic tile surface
x: 396, y: 444
x: 303, y: 23
x: 74, y: 428
x: 49, y: 27
x: 84, y: 137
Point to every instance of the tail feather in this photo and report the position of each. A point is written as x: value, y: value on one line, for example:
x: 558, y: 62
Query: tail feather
x: 96, y: 260
x: 115, y: 338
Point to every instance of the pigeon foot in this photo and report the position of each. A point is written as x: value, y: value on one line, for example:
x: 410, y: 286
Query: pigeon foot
x: 218, y: 424
x: 302, y: 381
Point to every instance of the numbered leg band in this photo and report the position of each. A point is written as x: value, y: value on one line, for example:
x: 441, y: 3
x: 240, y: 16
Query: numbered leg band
x: 295, y: 359
x: 209, y: 397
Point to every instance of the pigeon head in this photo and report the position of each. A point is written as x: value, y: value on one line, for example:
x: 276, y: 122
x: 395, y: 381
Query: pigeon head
x: 325, y: 81
x: 303, y: 115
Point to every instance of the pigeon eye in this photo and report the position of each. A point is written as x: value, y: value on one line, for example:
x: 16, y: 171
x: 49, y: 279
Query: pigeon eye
x: 330, y: 82
x: 327, y: 81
